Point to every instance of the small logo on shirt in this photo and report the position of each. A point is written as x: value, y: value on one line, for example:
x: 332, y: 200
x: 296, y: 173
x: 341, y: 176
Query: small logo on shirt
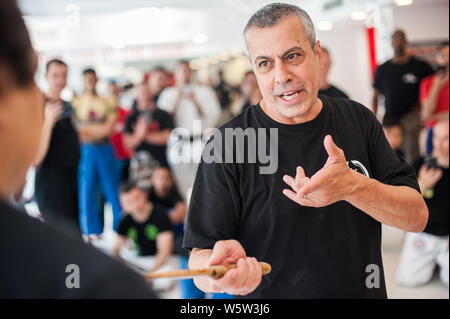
x: 359, y: 167
x: 409, y: 78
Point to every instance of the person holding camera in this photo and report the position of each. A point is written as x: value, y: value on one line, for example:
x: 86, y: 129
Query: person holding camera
x: 58, y: 153
x: 147, y: 128
x: 423, y: 251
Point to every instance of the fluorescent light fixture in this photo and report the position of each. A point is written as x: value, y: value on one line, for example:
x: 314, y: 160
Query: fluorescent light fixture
x: 358, y: 15
x: 403, y: 2
x: 324, y: 26
x: 200, y: 38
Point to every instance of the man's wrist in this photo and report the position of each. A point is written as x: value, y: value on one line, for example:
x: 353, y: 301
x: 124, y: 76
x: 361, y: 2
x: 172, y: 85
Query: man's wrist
x: 358, y: 184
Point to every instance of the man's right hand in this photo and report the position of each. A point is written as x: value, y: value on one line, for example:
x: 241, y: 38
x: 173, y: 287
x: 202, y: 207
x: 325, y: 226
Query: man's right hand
x: 53, y: 112
x: 241, y: 280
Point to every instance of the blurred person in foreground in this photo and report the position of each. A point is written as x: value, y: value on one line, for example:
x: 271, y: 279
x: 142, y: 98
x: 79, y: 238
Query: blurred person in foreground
x: 37, y: 259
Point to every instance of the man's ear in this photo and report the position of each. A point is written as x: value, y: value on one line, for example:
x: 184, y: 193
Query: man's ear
x: 318, y: 50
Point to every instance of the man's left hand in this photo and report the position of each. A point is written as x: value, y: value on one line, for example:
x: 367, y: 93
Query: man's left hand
x: 332, y: 183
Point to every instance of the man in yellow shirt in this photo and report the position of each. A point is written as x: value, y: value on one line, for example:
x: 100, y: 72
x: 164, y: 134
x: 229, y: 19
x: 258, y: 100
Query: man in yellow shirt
x: 95, y: 117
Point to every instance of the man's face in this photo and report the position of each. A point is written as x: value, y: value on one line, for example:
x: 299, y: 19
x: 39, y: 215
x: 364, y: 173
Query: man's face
x: 90, y: 81
x: 143, y: 95
x: 133, y: 201
x: 286, y: 67
x: 440, y: 140
x: 399, y: 43
x: 182, y: 74
x: 21, y: 114
x: 56, y: 77
x: 158, y: 81
x: 162, y: 180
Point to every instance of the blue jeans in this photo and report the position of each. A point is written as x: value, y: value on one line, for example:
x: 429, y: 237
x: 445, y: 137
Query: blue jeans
x: 97, y: 170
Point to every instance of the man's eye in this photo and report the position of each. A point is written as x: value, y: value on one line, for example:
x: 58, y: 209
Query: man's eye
x: 292, y: 56
x: 263, y: 64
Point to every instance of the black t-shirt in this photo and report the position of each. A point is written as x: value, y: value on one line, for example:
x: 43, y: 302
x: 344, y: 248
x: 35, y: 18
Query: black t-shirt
x: 161, y: 120
x: 438, y: 204
x: 169, y: 202
x: 34, y: 257
x: 64, y: 148
x: 400, y: 84
x: 333, y: 92
x: 314, y: 252
x: 144, y: 234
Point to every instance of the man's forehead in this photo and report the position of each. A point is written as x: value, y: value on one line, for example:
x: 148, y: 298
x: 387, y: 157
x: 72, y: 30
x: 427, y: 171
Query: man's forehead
x: 277, y: 39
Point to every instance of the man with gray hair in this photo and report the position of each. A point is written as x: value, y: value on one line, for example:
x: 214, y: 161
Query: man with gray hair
x: 321, y: 229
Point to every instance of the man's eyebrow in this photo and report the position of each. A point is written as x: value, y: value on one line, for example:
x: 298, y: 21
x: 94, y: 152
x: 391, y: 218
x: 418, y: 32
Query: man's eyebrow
x: 284, y: 54
x: 293, y: 50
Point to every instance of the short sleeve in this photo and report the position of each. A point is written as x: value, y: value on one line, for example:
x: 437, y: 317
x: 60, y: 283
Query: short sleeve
x: 163, y: 220
x: 214, y: 208
x: 124, y: 225
x: 165, y: 101
x: 378, y: 79
x: 387, y: 167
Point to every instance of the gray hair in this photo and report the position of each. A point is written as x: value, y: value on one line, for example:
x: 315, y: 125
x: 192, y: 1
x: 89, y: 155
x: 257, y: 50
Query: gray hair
x: 273, y: 13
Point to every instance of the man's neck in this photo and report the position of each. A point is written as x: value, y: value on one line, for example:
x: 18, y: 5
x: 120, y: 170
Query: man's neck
x: 146, y: 105
x: 401, y: 59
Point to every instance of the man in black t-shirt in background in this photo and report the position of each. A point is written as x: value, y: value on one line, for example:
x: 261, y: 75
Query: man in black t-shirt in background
x: 146, y: 224
x: 38, y: 260
x: 56, y: 183
x: 147, y: 128
x: 314, y: 210
x: 422, y: 252
x: 325, y: 87
x: 399, y: 81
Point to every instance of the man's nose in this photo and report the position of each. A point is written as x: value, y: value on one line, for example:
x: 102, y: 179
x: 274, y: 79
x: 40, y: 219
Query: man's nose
x: 282, y: 74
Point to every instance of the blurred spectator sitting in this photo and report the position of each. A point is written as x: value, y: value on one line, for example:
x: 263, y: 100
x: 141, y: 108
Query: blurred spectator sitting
x: 96, y: 117
x: 422, y: 252
x: 325, y: 87
x: 58, y: 154
x: 188, y: 102
x: 394, y: 134
x: 250, y: 94
x: 398, y: 80
x: 146, y: 224
x: 434, y: 96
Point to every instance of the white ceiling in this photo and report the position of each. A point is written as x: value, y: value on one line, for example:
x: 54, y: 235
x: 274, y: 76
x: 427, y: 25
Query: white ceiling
x: 166, y: 26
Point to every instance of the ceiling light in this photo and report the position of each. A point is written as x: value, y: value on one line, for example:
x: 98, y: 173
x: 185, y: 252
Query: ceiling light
x: 358, y: 15
x: 200, y: 38
x: 403, y: 2
x: 324, y: 26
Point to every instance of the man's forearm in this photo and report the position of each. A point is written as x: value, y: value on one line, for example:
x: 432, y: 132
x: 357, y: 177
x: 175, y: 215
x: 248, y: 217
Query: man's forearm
x: 398, y: 206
